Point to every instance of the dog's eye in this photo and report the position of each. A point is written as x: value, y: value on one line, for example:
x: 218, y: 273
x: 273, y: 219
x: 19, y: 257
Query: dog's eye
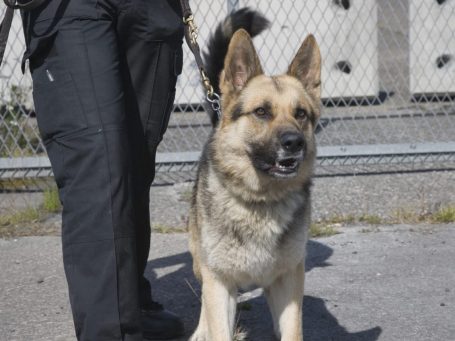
x: 261, y: 112
x: 301, y: 114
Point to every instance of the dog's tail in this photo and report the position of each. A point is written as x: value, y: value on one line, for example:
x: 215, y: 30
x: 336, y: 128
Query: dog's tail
x: 251, y: 21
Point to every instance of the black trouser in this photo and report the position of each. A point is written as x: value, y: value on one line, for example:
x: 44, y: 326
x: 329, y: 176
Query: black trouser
x: 104, y: 75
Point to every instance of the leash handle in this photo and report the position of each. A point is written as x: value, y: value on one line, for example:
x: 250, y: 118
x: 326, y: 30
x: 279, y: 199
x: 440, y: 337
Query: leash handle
x: 24, y: 5
x: 4, y: 31
x: 7, y: 21
x: 191, y: 35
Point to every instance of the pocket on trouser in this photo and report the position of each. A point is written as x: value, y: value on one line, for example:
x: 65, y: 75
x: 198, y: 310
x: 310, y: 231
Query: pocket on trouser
x: 58, y: 107
x: 168, y: 68
x: 178, y: 61
x: 52, y: 9
x: 148, y: 20
x: 168, y: 111
x: 178, y: 65
x: 42, y: 24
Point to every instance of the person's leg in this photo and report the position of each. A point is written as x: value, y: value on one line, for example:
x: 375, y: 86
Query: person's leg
x: 150, y: 34
x: 79, y: 100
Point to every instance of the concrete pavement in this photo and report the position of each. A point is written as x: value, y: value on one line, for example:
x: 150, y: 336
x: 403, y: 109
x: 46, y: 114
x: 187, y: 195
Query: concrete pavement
x: 390, y: 283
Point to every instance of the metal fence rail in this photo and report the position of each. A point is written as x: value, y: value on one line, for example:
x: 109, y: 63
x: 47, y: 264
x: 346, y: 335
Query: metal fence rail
x: 388, y: 88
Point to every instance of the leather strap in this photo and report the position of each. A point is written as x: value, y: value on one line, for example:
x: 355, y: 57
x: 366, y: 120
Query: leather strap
x: 186, y: 10
x: 191, y: 33
x: 24, y: 5
x: 4, y: 31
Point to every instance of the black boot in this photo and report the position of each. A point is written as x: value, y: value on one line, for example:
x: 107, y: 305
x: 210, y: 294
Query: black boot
x: 160, y: 324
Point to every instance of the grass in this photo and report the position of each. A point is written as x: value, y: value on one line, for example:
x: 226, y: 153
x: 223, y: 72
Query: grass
x: 26, y: 222
x: 403, y: 216
x: 328, y: 226
x: 29, y: 220
x: 369, y: 230
x: 26, y: 215
x: 51, y: 202
x: 444, y: 215
x: 340, y: 219
x: 186, y: 195
x: 162, y: 228
x: 28, y: 184
x: 321, y: 229
x: 371, y: 219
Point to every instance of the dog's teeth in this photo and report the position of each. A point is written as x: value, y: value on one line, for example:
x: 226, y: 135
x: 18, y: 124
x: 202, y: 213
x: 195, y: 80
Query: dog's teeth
x: 290, y: 163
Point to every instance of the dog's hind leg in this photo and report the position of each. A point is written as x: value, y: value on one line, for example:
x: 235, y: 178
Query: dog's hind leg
x: 219, y: 306
x: 285, y: 296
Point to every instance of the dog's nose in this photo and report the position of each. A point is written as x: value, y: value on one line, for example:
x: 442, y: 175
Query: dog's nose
x: 292, y: 142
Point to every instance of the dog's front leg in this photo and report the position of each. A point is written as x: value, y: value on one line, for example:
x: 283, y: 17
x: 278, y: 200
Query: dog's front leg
x: 219, y: 300
x: 201, y: 332
x: 285, y: 296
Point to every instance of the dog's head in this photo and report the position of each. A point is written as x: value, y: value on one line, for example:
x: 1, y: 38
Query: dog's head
x: 268, y: 121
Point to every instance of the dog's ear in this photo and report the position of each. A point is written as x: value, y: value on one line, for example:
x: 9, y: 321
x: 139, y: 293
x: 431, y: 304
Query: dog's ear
x: 241, y: 62
x: 306, y: 66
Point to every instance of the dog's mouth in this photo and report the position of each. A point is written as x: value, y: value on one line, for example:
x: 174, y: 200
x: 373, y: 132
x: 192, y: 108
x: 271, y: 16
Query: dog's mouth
x: 285, y: 167
x: 280, y: 164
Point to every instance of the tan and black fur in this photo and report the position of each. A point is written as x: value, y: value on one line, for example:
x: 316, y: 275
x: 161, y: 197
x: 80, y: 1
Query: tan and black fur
x: 250, y: 211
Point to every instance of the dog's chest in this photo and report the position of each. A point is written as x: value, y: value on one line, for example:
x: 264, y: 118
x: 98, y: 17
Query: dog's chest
x: 254, y: 243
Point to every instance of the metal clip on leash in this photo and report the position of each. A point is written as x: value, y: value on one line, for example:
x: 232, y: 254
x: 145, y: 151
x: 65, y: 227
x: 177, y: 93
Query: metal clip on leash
x: 191, y: 35
x: 189, y: 21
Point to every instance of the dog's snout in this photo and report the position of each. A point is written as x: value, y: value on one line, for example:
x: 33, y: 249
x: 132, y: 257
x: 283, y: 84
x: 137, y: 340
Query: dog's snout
x: 292, y: 142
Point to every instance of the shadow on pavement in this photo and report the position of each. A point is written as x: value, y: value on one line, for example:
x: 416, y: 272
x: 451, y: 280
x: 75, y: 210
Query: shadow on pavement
x: 180, y: 293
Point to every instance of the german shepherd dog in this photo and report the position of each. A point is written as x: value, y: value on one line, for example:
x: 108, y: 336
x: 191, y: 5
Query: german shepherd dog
x: 250, y: 210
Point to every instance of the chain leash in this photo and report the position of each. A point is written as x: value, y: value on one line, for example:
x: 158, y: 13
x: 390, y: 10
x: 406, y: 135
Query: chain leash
x: 191, y: 35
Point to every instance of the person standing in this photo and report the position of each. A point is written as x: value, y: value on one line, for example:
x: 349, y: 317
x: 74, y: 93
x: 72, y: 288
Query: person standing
x: 104, y: 75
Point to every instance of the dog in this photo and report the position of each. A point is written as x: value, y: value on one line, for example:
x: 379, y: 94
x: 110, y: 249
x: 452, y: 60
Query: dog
x: 250, y: 209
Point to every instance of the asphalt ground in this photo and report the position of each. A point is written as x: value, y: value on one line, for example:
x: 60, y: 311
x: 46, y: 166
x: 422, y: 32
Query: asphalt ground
x: 388, y: 283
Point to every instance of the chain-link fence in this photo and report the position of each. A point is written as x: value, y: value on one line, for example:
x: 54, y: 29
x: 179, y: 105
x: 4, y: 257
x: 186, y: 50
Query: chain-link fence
x: 388, y: 83
x: 387, y: 79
